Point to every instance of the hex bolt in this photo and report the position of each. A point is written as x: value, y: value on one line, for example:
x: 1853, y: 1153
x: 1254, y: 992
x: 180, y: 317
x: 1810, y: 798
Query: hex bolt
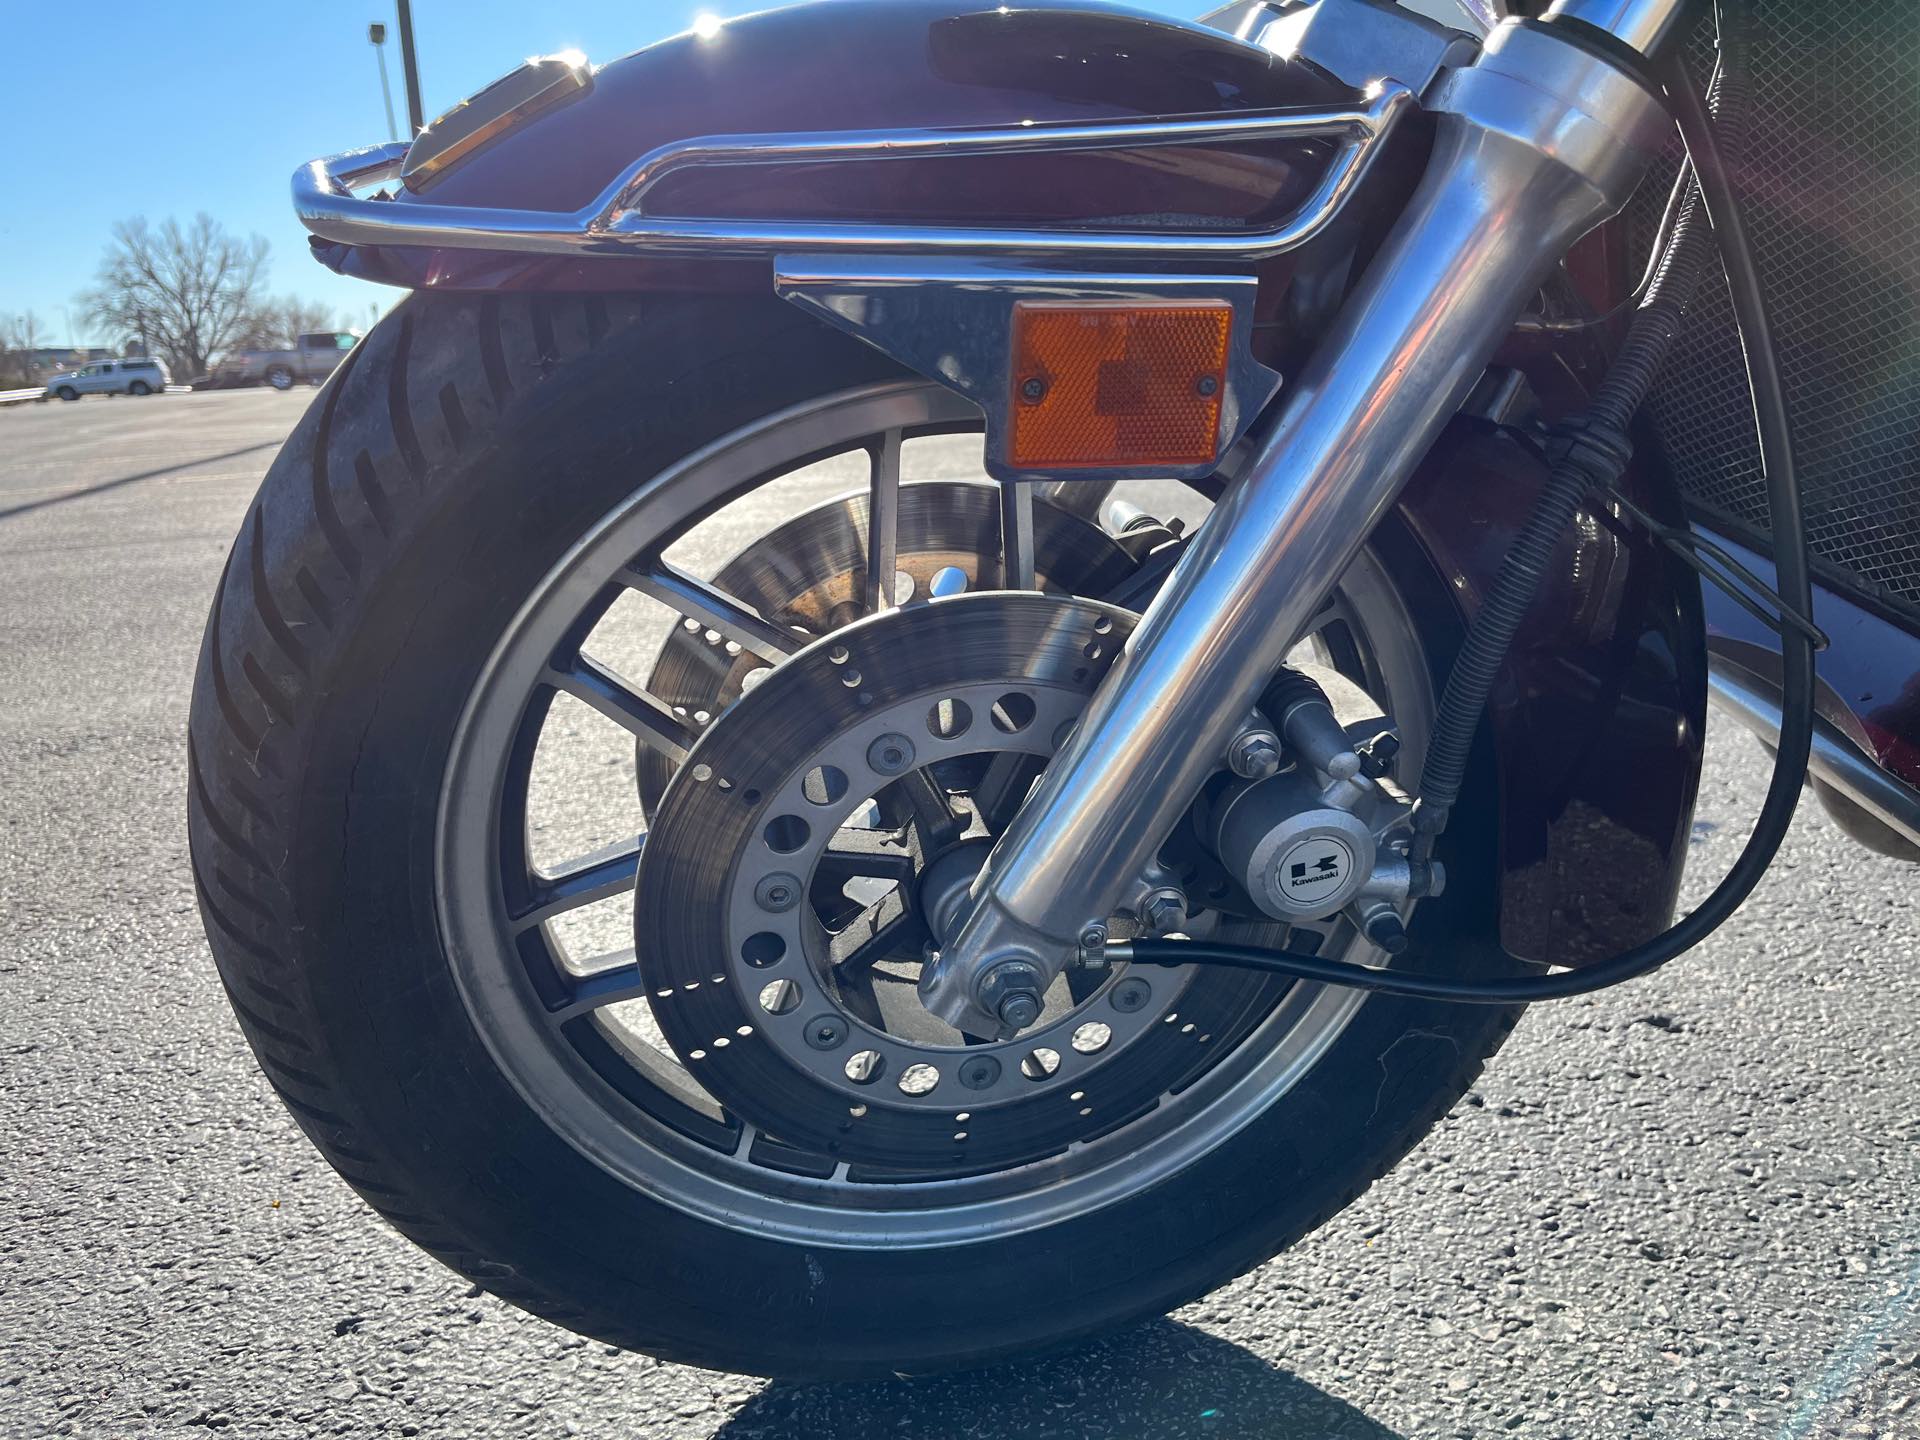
x: 1254, y: 755
x: 978, y: 1072
x: 1131, y: 994
x: 1164, y: 912
x: 777, y: 892
x: 826, y: 1032
x: 891, y: 754
x: 1094, y: 937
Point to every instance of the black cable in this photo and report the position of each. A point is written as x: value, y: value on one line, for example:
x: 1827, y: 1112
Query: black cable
x: 1796, y: 710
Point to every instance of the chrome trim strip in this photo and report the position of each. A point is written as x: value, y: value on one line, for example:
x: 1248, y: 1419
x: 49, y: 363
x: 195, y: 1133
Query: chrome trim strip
x: 1834, y: 759
x: 616, y: 224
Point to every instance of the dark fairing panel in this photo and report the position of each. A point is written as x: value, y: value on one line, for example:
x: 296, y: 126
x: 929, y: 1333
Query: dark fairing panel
x: 1869, y: 676
x: 1599, y: 714
x: 1829, y: 167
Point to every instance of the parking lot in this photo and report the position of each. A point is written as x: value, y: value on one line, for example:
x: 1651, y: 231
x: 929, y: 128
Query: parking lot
x: 1687, y: 1207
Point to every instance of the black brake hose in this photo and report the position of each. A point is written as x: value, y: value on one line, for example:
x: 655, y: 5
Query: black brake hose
x: 1797, y: 686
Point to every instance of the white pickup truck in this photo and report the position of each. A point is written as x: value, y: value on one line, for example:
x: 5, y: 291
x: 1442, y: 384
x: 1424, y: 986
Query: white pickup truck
x: 311, y: 360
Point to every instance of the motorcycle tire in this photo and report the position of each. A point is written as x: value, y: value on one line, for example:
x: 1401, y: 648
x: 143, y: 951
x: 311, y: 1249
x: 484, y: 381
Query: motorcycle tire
x: 456, y: 455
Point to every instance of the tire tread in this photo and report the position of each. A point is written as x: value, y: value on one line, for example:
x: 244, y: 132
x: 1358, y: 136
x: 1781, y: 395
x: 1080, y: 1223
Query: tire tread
x: 239, y: 796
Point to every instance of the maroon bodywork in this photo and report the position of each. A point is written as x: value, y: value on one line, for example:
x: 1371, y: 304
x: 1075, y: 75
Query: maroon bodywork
x: 1868, y: 678
x: 1600, y: 711
x: 1598, y: 717
x: 883, y: 64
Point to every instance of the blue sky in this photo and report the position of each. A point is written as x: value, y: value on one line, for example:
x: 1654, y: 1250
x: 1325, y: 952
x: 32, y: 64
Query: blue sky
x: 187, y: 105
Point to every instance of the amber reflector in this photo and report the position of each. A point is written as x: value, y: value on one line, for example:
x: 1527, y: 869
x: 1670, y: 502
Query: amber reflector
x: 1101, y: 386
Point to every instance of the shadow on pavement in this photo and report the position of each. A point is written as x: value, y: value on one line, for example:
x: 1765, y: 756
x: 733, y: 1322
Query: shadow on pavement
x: 84, y: 491
x: 1162, y: 1380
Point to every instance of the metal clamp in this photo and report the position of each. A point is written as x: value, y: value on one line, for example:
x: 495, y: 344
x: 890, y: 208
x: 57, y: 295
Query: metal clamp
x: 616, y: 223
x: 1718, y: 566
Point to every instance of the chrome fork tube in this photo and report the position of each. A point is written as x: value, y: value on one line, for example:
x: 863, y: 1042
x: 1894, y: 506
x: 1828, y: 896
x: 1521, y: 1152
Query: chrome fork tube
x: 1086, y: 499
x: 1646, y: 25
x: 1535, y: 143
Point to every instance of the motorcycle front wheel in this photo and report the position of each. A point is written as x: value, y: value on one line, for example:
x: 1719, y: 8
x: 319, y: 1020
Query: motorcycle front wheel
x: 421, y: 789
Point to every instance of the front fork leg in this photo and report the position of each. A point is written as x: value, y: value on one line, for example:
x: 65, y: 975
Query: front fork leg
x: 1538, y: 141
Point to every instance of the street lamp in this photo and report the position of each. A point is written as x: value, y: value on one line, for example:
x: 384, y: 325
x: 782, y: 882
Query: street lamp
x: 377, y: 37
x: 410, y: 68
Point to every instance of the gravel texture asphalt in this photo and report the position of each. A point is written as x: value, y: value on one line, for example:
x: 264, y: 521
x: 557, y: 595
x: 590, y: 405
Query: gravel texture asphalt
x: 1687, y: 1207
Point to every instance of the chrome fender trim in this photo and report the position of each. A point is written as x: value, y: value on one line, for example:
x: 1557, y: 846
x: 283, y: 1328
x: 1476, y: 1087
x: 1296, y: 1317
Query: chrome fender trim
x: 616, y: 223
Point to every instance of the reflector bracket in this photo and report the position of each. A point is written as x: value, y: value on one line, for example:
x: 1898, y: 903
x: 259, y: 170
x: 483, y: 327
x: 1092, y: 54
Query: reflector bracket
x: 1124, y: 361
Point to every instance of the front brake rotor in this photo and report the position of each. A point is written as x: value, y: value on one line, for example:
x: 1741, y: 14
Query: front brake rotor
x: 872, y: 753
x: 809, y: 573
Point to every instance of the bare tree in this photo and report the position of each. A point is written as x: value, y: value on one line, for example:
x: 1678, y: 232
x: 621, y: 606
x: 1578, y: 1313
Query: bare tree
x: 274, y: 324
x: 183, y: 292
x: 20, y: 336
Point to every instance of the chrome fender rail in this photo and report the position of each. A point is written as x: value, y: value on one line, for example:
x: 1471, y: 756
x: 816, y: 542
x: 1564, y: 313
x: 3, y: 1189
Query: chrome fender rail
x: 617, y: 223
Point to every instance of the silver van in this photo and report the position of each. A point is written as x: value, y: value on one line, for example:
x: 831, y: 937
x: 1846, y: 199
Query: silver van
x: 139, y: 376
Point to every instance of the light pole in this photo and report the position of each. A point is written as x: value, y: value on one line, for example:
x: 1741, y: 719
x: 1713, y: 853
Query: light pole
x: 377, y: 37
x: 410, y: 68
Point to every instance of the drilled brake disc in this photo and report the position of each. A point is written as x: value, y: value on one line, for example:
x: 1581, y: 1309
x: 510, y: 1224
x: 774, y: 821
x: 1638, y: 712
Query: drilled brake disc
x: 789, y: 995
x: 809, y: 573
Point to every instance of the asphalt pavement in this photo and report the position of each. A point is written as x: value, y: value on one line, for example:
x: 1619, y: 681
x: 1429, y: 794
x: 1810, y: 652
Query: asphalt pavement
x: 1687, y: 1207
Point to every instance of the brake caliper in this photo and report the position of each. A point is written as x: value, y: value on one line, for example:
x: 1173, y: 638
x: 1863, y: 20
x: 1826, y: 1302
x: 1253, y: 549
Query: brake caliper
x: 1325, y: 831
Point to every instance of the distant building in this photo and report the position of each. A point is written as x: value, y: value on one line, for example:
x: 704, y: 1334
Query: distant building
x: 49, y: 359
x: 27, y: 368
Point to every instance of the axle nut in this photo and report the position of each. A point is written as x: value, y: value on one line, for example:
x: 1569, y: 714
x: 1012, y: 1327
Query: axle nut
x: 1010, y: 992
x: 1020, y: 1009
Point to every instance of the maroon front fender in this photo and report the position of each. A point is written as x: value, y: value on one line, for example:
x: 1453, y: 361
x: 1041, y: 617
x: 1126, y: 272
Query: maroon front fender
x: 1599, y: 715
x: 880, y: 65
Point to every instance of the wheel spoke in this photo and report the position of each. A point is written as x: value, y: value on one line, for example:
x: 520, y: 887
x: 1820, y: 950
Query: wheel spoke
x: 863, y: 854
x: 603, y: 987
x: 883, y: 523
x: 1016, y: 535
x: 601, y: 875
x: 939, y: 826
x: 883, y: 928
x: 1009, y: 777
x: 695, y: 599
x: 743, y: 1142
x: 650, y: 720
